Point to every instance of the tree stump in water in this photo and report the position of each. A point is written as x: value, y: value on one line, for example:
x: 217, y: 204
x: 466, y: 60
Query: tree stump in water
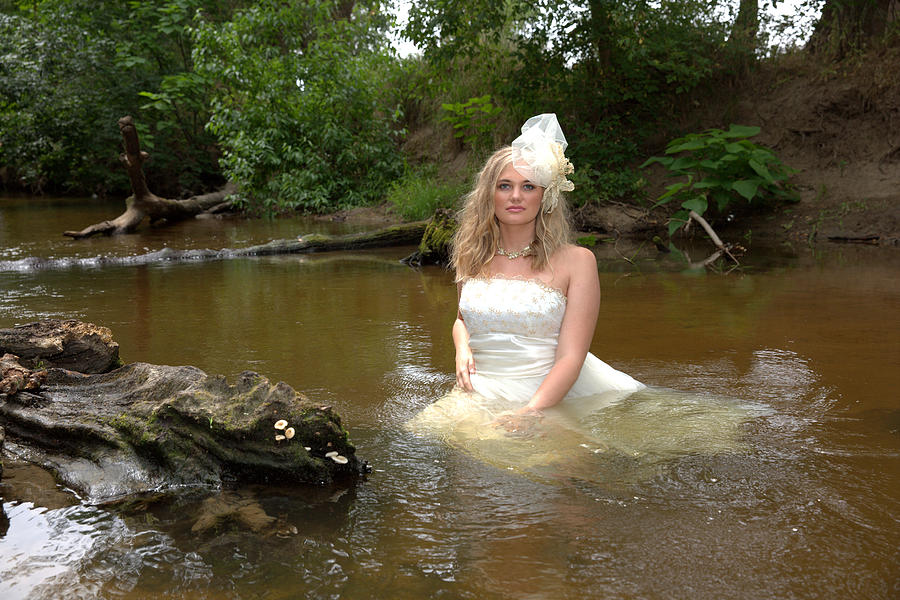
x: 70, y: 344
x: 153, y: 428
x: 143, y: 202
x: 434, y: 247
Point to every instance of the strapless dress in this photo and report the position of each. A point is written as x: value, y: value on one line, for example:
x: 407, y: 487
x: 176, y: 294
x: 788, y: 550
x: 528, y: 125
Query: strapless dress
x: 513, y: 327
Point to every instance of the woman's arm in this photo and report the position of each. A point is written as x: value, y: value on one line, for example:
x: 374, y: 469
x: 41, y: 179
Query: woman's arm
x: 465, y: 362
x: 582, y: 308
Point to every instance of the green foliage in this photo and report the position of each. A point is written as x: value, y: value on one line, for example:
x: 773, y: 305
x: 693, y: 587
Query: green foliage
x: 472, y: 120
x: 173, y: 116
x: 53, y: 126
x: 297, y: 108
x: 608, y: 69
x: 418, y: 193
x: 603, y: 155
x: 723, y: 167
x: 71, y: 68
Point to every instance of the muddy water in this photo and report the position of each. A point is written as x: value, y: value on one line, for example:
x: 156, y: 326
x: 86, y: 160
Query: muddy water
x: 804, y: 505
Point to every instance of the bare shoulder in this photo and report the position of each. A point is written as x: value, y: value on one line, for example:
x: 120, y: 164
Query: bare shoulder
x: 576, y: 258
x: 575, y: 267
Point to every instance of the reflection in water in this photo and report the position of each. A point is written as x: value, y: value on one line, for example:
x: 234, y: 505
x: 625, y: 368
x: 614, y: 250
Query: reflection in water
x: 789, y: 491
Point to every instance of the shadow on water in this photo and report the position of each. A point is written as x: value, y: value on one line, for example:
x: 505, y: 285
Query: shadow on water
x: 774, y: 471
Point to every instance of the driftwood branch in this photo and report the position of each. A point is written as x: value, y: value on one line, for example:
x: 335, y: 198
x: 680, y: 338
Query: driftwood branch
x: 722, y: 248
x: 144, y: 203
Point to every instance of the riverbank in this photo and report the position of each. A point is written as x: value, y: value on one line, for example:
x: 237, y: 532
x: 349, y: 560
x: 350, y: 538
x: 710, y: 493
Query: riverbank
x: 836, y: 125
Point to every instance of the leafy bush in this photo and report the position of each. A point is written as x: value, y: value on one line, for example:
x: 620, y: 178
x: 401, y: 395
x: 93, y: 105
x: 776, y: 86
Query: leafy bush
x: 603, y: 155
x: 58, y: 108
x: 297, y: 109
x: 472, y: 120
x: 722, y: 166
x: 417, y: 194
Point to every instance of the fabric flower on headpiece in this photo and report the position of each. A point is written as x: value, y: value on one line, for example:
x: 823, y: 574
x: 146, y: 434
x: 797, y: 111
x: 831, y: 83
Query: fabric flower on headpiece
x: 539, y: 155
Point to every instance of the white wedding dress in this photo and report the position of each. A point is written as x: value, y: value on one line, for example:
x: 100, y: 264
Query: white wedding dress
x: 513, y: 327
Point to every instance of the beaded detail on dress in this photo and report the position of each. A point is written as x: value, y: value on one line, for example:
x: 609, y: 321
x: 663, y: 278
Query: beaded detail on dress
x: 516, y: 306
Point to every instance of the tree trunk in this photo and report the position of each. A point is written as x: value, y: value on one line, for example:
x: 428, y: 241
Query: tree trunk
x: 848, y: 25
x: 144, y: 203
x: 746, y: 25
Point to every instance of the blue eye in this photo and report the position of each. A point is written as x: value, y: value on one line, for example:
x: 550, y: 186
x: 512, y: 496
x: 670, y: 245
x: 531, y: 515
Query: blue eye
x: 503, y: 186
x: 528, y: 187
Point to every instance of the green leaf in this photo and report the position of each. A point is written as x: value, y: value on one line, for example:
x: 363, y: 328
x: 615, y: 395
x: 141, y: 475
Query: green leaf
x: 663, y: 160
x: 710, y: 182
x: 684, y: 163
x: 746, y: 187
x: 686, y: 146
x: 677, y: 221
x: 743, y: 131
x: 723, y: 199
x: 761, y: 170
x: 698, y: 204
x: 670, y: 191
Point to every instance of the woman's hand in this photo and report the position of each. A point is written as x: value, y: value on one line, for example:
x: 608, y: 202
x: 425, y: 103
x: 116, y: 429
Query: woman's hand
x: 523, y: 422
x: 465, y: 367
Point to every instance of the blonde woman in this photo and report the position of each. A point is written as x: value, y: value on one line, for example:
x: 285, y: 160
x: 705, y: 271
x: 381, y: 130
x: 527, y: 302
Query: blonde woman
x: 528, y: 299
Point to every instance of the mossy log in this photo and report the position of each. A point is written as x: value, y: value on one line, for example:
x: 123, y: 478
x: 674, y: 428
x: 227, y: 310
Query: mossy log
x: 405, y: 234
x: 436, y: 242
x: 395, y: 235
x: 151, y: 428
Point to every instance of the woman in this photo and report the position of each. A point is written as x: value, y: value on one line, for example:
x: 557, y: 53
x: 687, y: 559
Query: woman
x: 528, y: 305
x: 528, y: 299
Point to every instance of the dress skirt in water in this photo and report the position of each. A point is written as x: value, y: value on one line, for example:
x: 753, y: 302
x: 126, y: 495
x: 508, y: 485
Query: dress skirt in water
x: 513, y: 327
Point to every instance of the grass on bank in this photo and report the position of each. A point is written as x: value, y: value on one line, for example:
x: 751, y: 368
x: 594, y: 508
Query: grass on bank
x: 419, y: 192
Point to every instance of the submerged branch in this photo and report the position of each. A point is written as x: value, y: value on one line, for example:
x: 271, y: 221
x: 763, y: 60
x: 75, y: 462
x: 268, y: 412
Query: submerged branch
x: 726, y: 249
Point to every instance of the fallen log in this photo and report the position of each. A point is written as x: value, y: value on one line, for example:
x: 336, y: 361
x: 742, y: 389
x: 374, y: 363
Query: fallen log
x: 152, y: 428
x: 436, y: 241
x: 144, y: 203
x: 396, y: 235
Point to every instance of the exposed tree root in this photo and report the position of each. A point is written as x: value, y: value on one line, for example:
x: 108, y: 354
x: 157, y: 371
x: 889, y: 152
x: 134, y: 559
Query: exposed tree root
x: 144, y: 203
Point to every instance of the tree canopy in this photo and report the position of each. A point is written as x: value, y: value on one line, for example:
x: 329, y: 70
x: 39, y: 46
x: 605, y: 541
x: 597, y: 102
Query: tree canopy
x: 305, y: 105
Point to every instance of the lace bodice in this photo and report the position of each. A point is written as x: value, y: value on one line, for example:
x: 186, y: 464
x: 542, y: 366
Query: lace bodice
x: 513, y: 327
x: 523, y: 307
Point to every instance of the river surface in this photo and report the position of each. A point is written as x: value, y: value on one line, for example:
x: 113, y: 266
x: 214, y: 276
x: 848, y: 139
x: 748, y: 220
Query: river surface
x: 805, y: 503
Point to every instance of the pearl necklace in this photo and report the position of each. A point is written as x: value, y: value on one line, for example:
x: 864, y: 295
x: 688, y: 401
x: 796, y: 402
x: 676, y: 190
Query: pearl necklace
x: 526, y: 251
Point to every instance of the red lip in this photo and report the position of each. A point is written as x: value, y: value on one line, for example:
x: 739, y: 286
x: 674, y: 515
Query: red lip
x: 515, y: 209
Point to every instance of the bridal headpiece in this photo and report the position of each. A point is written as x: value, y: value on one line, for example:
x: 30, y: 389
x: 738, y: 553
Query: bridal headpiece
x: 539, y: 155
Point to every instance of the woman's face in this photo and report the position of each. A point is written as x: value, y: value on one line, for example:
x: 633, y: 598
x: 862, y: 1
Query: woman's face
x: 516, y: 200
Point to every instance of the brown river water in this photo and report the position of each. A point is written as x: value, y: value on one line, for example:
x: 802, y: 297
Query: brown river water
x: 799, y: 498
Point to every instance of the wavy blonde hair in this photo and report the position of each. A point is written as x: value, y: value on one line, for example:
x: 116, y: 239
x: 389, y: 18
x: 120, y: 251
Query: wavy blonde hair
x: 476, y: 240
